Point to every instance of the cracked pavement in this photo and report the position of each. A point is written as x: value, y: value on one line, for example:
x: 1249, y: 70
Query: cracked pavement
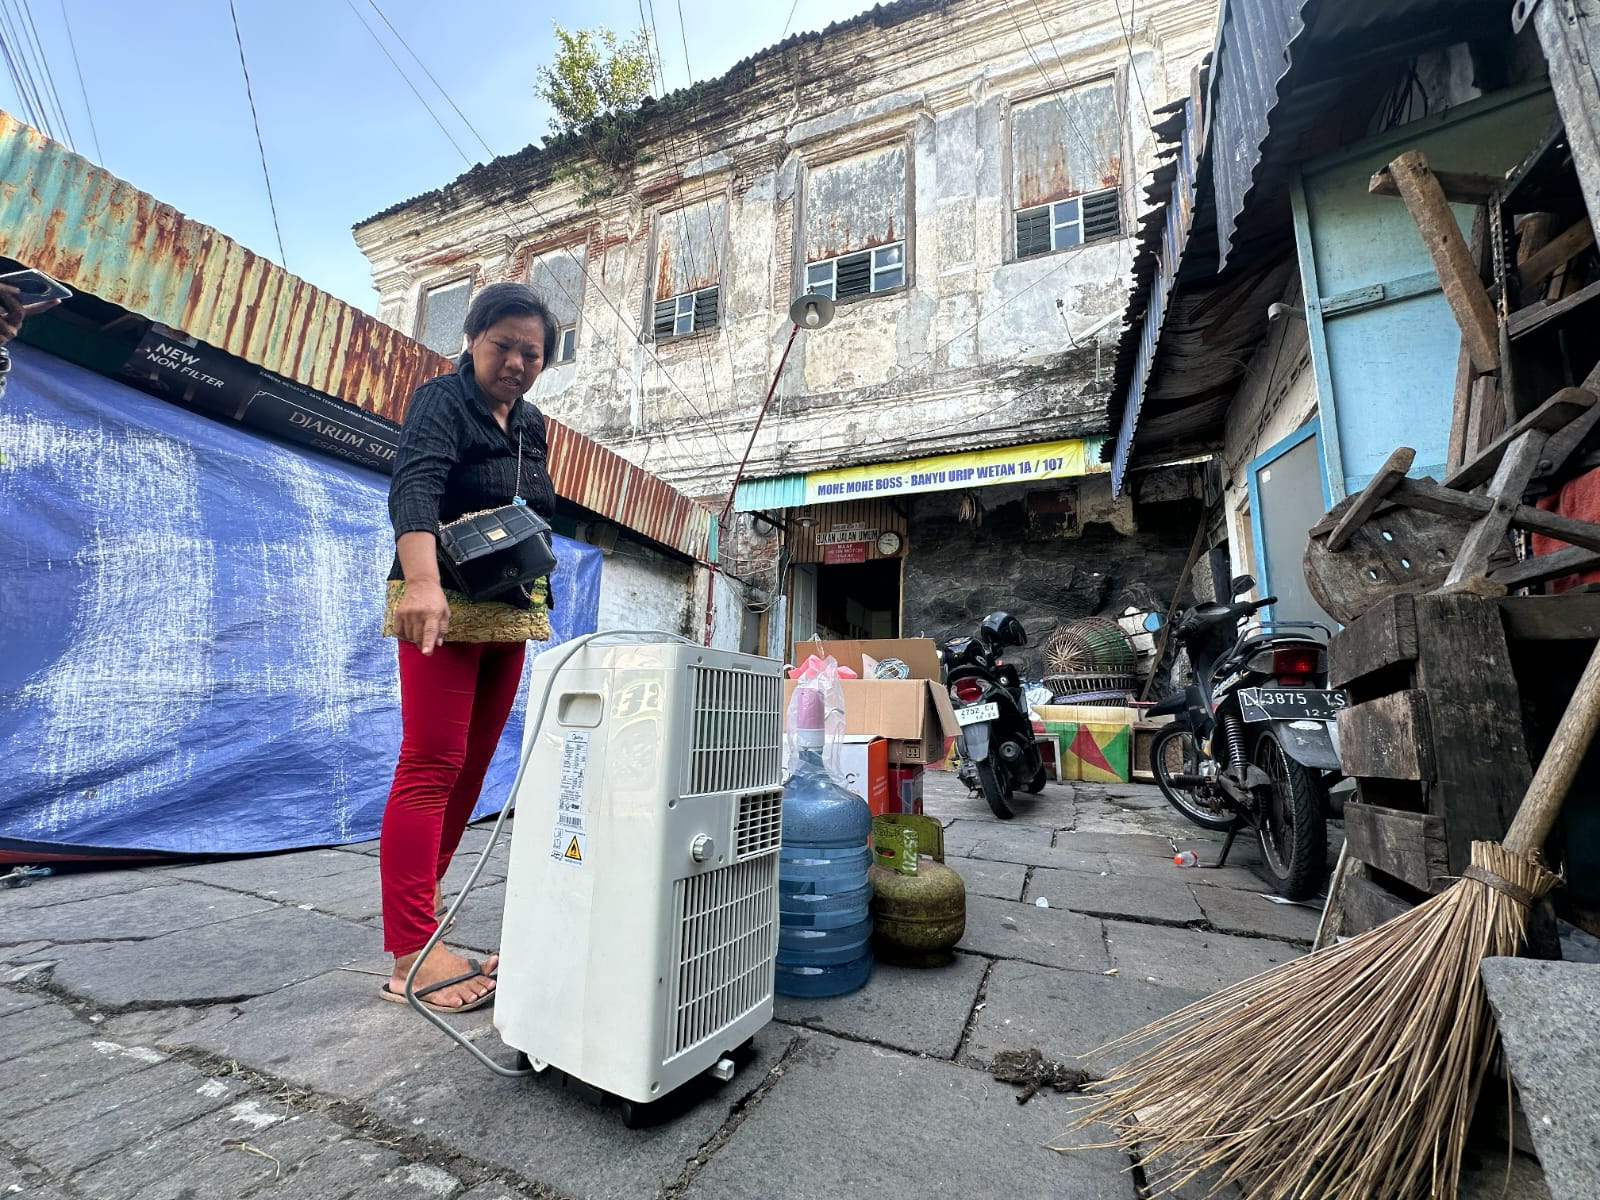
x: 212, y: 1028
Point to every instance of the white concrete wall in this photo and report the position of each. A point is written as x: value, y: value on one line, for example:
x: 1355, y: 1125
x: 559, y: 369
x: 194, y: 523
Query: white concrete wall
x: 641, y: 589
x: 978, y: 350
x: 1278, y: 396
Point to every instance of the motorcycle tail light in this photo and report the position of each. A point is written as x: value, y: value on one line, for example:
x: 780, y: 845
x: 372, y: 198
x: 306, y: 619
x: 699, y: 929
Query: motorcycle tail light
x: 1296, y: 662
x: 967, y: 691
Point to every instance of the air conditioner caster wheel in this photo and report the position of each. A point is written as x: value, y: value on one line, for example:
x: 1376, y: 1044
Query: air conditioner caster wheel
x: 637, y: 1114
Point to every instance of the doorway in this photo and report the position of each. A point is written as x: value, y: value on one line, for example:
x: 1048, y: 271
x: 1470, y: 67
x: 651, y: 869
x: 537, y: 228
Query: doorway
x: 1288, y: 495
x: 859, y: 600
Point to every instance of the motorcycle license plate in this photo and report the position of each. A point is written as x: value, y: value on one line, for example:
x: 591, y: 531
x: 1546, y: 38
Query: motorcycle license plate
x: 974, y: 713
x: 1287, y: 704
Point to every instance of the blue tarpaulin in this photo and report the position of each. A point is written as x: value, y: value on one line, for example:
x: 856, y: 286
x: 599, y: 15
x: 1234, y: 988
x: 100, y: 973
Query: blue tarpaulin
x: 190, y: 658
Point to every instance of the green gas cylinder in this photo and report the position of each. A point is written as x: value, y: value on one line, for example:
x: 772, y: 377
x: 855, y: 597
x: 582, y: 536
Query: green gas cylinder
x: 917, y: 919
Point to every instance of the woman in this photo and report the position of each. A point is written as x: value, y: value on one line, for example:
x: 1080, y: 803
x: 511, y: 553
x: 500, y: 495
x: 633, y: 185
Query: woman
x: 469, y: 442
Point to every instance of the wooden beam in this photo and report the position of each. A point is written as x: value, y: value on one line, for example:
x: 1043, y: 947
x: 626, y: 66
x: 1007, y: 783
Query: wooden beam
x: 1572, y: 561
x: 1569, y: 617
x: 1428, y: 496
x: 1387, y: 738
x: 1577, y: 238
x: 1377, y: 490
x: 1366, y: 905
x: 1556, y: 413
x: 1517, y: 465
x: 1459, y: 187
x: 1452, y: 259
x: 1540, y: 313
x: 1383, y: 636
x: 1408, y: 845
x: 1461, y: 402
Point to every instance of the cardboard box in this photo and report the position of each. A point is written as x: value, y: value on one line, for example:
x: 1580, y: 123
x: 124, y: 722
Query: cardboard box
x: 905, y: 790
x: 914, y: 714
x: 864, y: 762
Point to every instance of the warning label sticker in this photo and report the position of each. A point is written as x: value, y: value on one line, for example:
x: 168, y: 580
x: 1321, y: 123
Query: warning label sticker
x: 568, y: 841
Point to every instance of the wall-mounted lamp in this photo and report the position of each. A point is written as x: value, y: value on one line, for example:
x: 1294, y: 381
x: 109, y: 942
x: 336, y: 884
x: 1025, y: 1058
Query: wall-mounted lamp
x: 803, y: 518
x: 811, y: 311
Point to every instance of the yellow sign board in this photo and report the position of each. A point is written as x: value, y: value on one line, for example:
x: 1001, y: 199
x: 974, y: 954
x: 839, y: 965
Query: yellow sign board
x: 948, y: 472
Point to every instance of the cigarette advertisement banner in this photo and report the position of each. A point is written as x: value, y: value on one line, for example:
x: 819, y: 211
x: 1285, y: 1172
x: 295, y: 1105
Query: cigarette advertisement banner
x: 948, y: 472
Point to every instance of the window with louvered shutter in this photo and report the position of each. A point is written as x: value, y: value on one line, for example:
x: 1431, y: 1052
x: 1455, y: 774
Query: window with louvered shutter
x: 1102, y: 215
x: 1033, y: 232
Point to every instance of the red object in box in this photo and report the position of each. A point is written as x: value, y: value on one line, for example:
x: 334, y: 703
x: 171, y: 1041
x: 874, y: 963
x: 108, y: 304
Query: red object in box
x: 905, y: 789
x: 1578, y: 497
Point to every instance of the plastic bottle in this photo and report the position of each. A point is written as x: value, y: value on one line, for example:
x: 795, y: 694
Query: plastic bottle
x: 824, y: 896
x: 1186, y: 858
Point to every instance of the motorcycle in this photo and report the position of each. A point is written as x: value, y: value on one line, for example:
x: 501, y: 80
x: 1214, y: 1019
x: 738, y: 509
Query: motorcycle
x: 995, y: 751
x: 1253, y: 743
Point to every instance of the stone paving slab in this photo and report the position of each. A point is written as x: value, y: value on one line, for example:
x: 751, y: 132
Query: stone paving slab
x: 851, y: 1120
x: 1233, y: 910
x: 478, y: 923
x: 270, y: 874
x: 334, y: 1035
x: 1166, y: 901
x: 71, y: 1133
x: 1120, y: 843
x: 1147, y: 866
x: 919, y: 1011
x: 224, y: 961
x: 67, y: 1069
x: 1198, y: 963
x: 991, y: 840
x: 1064, y: 1014
x: 69, y: 885
x: 560, y: 1135
x: 13, y: 1001
x: 986, y: 878
x: 1053, y: 936
x: 1549, y: 1019
x: 946, y: 797
x: 37, y: 1028
x: 135, y: 914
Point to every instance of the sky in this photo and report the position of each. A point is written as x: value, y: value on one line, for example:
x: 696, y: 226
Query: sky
x: 343, y: 133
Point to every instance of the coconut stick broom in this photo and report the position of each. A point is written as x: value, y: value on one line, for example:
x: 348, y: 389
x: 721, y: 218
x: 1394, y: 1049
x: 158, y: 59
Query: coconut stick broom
x: 1352, y: 1073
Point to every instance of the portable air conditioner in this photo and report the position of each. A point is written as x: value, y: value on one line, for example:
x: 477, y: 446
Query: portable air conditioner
x: 641, y: 908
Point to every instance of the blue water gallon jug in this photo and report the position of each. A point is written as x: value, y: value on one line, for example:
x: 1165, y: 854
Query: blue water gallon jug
x: 824, y: 895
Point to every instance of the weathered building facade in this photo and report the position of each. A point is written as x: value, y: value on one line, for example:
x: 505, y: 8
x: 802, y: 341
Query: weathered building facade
x: 963, y: 181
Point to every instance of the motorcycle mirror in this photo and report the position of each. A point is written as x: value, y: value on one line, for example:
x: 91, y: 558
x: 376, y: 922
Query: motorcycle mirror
x: 1242, y: 584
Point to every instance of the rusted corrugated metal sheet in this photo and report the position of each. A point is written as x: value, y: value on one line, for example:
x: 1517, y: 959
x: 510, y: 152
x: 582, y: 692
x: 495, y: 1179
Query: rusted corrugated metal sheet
x: 689, y: 249
x: 98, y: 234
x: 601, y: 480
x: 856, y: 203
x: 102, y: 236
x: 1065, y: 145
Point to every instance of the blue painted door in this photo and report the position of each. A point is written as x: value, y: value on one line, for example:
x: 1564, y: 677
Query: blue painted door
x: 1383, y: 340
x: 1286, y: 500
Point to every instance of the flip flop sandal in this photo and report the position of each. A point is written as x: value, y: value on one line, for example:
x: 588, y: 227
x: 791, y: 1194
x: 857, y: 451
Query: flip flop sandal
x: 487, y: 998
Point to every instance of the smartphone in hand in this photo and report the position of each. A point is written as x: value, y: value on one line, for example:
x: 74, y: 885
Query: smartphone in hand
x: 35, y: 287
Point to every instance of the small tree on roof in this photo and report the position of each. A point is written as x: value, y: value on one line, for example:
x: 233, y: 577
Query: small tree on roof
x: 595, y: 88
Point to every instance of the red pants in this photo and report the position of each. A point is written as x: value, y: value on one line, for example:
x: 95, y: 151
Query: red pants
x: 453, y: 707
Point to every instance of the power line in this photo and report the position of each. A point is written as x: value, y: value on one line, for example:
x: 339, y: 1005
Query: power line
x: 504, y: 171
x: 260, y: 146
x: 793, y: 8
x: 1127, y: 36
x: 22, y: 75
x: 83, y: 88
x: 44, y: 65
x: 429, y: 74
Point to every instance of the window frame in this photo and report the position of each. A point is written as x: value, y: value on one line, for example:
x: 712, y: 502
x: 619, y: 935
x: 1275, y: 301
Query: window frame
x: 680, y: 312
x: 836, y: 154
x: 724, y: 194
x: 1077, y: 222
x: 424, y: 290
x: 874, y: 270
x: 1117, y: 79
x: 566, y: 335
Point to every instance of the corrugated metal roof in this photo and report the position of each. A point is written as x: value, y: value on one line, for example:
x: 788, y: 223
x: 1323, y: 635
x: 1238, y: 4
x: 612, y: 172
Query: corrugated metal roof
x: 101, y: 235
x: 765, y: 495
x: 1281, y: 67
x: 1282, y: 74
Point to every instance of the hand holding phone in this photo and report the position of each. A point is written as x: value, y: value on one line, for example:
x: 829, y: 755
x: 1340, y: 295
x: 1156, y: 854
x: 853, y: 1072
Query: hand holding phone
x: 23, y: 293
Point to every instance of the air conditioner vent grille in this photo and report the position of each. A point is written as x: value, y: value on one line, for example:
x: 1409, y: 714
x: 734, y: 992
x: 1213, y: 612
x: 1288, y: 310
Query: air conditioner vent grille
x: 760, y: 826
x: 724, y: 949
x: 735, y: 730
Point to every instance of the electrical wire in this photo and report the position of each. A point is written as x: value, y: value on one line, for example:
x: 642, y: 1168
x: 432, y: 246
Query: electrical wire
x: 21, y: 77
x: 260, y: 146
x: 496, y: 164
x: 1127, y: 36
x: 26, y: 11
x: 83, y: 88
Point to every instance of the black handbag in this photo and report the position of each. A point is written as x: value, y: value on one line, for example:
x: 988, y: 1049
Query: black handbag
x: 486, y: 554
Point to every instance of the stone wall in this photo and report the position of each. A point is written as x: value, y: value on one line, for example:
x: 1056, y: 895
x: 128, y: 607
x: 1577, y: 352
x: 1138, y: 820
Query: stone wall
x: 958, y: 572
